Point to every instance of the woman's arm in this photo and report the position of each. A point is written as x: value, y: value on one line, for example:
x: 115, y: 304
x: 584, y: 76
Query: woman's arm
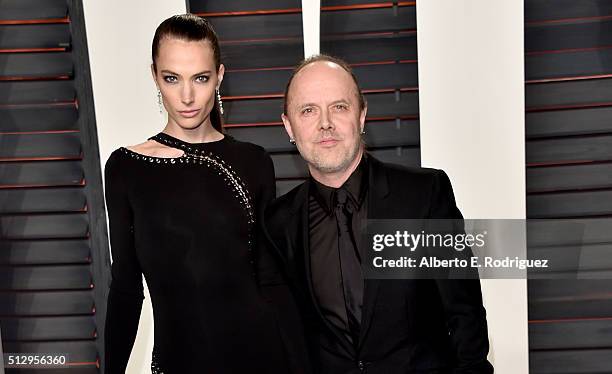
x: 126, y: 295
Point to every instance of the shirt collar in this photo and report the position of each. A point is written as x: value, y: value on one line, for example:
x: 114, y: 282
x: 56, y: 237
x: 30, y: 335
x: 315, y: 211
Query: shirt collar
x: 355, y: 185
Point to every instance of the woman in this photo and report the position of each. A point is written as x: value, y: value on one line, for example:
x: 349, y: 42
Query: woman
x: 183, y: 208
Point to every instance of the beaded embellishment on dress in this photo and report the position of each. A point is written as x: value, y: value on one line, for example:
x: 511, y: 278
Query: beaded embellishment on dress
x: 155, y: 368
x: 193, y: 155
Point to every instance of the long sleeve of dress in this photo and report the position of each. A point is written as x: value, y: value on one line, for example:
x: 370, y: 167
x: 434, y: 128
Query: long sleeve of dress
x: 126, y: 292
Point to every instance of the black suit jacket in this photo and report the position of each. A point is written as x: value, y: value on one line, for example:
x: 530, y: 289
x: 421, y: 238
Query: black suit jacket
x: 408, y: 326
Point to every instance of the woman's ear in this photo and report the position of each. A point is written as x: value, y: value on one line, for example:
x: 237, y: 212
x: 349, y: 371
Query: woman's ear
x: 220, y: 74
x: 154, y: 75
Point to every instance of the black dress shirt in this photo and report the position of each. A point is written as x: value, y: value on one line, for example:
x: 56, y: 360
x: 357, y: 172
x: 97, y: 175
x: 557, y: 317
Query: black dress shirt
x: 324, y: 258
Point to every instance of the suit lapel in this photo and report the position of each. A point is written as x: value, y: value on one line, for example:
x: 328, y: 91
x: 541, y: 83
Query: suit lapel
x: 378, y: 190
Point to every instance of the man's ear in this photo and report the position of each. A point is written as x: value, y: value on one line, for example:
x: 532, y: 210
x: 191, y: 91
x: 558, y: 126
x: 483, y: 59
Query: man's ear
x: 287, y: 124
x: 362, y: 118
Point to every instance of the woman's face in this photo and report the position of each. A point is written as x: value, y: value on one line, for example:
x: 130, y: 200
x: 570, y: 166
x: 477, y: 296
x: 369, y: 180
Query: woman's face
x: 187, y: 78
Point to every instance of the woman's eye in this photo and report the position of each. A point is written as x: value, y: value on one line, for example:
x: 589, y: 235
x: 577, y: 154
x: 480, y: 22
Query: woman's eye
x: 170, y: 79
x: 202, y: 78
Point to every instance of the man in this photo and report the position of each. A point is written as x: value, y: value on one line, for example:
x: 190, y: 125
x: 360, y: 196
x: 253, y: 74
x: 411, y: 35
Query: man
x: 354, y: 325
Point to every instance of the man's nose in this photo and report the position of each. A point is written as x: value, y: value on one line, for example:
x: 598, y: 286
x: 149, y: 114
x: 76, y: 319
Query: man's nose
x: 326, y: 121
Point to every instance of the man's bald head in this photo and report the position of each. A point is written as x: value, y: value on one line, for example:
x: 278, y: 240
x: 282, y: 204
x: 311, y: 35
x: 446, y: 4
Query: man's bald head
x: 332, y: 60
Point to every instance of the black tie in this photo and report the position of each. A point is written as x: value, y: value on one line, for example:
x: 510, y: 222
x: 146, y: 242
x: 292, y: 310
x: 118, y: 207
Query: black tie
x: 350, y: 266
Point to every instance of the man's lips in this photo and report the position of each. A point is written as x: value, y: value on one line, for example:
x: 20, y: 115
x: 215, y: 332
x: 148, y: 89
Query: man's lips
x: 328, y: 142
x: 189, y: 113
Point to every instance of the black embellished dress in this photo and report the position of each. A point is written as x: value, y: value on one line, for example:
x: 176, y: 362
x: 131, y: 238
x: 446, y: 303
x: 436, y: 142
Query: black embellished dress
x: 189, y: 225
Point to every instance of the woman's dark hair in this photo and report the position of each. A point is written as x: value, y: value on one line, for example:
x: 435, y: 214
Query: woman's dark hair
x: 190, y: 27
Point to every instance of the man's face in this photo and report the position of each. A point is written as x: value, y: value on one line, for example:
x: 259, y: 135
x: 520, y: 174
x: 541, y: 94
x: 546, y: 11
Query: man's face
x: 324, y: 118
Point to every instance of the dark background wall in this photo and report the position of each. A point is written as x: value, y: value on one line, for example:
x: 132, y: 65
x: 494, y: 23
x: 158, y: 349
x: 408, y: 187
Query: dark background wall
x: 568, y: 68
x: 53, y: 251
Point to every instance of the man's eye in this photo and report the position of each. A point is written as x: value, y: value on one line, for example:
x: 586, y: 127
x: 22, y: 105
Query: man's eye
x: 170, y: 79
x: 202, y: 78
x: 341, y: 107
x: 307, y: 111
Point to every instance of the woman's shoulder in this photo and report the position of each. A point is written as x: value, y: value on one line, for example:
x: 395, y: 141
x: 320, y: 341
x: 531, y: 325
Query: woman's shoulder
x: 145, y: 150
x: 151, y: 148
x: 117, y: 163
x: 117, y: 157
x: 121, y: 156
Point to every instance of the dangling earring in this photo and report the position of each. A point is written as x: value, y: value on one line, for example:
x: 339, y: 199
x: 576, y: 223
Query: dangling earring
x: 220, y: 102
x: 159, y: 101
x: 292, y: 141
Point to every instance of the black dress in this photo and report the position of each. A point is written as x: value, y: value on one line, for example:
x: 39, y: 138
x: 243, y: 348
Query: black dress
x: 189, y: 225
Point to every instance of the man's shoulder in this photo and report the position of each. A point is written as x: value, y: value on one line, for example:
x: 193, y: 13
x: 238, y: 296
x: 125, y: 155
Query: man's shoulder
x: 428, y: 188
x: 281, y: 207
x: 412, y: 171
x: 415, y: 175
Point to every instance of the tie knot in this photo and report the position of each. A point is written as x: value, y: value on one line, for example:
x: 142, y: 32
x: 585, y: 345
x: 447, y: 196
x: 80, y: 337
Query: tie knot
x: 343, y: 202
x: 341, y: 196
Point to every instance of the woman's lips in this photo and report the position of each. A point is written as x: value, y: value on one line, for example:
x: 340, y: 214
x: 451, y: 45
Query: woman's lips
x: 189, y: 113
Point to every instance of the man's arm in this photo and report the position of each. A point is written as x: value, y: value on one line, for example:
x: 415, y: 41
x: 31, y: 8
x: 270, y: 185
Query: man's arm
x: 462, y: 298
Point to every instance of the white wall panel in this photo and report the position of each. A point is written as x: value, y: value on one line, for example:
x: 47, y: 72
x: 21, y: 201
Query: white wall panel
x: 471, y: 90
